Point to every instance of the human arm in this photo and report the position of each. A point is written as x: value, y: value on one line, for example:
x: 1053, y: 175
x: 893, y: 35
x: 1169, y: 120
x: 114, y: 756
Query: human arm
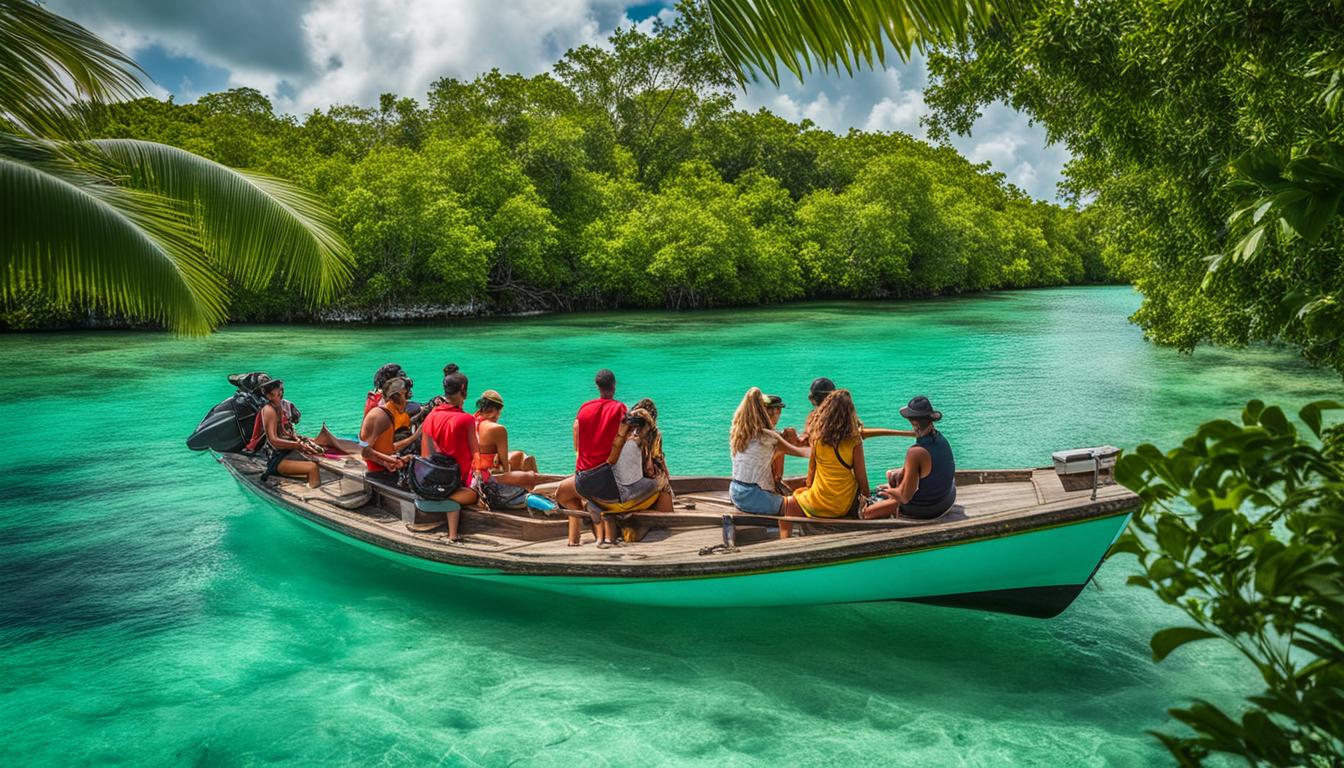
x: 271, y: 423
x: 787, y: 447
x: 884, y: 432
x: 575, y: 430
x: 397, y: 445
x: 860, y: 469
x: 474, y: 445
x: 622, y: 435
x: 499, y: 436
x: 917, y: 464
x: 376, y: 422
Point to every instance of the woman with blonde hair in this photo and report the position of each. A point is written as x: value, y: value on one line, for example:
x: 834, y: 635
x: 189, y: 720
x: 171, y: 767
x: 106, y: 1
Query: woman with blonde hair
x: 754, y: 444
x: 837, y: 479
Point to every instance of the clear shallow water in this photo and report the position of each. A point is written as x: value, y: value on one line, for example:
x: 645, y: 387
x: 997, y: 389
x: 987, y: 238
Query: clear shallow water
x: 153, y: 612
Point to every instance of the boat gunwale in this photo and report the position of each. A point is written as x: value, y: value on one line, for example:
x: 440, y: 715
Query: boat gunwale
x: 866, y: 545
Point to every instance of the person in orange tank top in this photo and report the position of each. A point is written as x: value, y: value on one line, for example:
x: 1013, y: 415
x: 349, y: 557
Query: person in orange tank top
x: 377, y: 433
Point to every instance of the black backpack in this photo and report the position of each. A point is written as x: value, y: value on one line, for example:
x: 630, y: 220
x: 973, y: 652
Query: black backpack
x: 434, y: 478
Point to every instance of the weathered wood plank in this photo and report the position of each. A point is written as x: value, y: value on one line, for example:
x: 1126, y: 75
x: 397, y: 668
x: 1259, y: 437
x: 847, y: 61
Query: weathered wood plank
x: 675, y: 552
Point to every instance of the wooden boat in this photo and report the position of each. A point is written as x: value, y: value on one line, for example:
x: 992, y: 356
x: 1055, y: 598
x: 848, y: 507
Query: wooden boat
x: 1017, y: 542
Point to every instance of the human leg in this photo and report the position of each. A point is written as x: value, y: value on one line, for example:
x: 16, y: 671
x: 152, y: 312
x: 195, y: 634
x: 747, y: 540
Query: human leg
x: 885, y: 507
x: 567, y: 496
x: 790, y: 508
x: 300, y: 468
x: 465, y: 497
x: 663, y: 503
x: 521, y: 462
x: 519, y: 477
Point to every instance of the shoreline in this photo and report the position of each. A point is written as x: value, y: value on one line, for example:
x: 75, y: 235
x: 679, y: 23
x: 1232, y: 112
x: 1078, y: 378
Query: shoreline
x: 446, y: 314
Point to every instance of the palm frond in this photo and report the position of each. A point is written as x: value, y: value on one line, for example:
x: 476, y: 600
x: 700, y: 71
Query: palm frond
x: 49, y: 63
x: 254, y: 226
x: 75, y: 237
x: 757, y: 36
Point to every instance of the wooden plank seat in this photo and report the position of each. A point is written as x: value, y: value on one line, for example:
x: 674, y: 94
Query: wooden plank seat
x: 710, y: 492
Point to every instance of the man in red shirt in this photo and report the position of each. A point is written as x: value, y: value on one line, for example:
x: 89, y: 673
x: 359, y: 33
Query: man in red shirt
x: 451, y: 431
x: 595, y: 429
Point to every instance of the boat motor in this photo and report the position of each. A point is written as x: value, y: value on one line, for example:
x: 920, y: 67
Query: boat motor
x: 227, y: 427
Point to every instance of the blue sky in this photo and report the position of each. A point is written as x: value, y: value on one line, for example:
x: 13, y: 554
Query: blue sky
x: 308, y: 54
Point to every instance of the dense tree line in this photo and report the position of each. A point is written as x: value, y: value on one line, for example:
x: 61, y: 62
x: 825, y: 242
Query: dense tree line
x: 1202, y: 133
x: 626, y: 178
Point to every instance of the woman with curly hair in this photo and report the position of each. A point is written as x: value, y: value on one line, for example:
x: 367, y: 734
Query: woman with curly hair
x: 638, y: 471
x: 837, y: 478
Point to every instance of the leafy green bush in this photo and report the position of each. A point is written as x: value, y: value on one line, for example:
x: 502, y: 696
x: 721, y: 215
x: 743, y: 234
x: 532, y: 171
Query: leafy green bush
x: 1242, y: 529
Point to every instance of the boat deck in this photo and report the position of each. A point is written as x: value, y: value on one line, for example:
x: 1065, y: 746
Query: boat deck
x: 992, y: 503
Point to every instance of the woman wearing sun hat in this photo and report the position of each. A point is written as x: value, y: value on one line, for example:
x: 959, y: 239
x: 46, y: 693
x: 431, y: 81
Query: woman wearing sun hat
x: 925, y: 487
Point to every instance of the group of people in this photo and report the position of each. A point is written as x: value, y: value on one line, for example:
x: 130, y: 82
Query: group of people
x: 836, y: 485
x: 620, y: 464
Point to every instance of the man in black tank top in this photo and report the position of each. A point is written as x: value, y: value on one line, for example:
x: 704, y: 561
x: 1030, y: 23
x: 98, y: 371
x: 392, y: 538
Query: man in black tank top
x: 925, y: 486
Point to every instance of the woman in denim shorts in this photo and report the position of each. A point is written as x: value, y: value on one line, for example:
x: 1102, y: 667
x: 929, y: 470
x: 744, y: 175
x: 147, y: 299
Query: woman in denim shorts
x: 754, y: 446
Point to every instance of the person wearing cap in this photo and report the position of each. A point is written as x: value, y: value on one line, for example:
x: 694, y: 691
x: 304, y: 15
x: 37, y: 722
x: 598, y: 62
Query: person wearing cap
x: 286, y: 451
x: 377, y: 434
x: 754, y: 446
x: 817, y: 392
x: 374, y: 398
x: 774, y: 408
x: 925, y: 486
x: 502, y: 477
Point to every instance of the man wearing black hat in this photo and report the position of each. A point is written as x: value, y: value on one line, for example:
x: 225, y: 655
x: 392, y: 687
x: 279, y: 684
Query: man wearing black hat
x: 925, y: 487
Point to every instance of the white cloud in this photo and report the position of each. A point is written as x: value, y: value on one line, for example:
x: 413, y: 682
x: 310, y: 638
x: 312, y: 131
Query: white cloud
x: 999, y: 150
x: 900, y: 114
x: 359, y: 49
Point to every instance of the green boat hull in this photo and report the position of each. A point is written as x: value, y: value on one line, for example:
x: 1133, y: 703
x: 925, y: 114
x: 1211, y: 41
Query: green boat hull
x: 1034, y: 573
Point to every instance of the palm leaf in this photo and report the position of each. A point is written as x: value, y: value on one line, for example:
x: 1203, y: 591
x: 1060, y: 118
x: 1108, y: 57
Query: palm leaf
x: 756, y: 36
x: 253, y: 226
x: 78, y: 238
x: 48, y: 64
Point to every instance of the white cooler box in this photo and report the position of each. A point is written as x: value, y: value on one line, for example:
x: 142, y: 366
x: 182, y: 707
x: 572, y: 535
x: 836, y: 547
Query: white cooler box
x: 1075, y: 467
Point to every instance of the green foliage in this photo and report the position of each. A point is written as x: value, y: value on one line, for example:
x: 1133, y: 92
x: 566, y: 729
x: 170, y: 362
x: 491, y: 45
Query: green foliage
x: 1242, y: 529
x: 135, y: 228
x: 1206, y: 136
x: 756, y: 37
x: 624, y: 179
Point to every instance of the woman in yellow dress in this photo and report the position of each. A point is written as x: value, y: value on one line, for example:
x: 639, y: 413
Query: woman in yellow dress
x: 837, y: 480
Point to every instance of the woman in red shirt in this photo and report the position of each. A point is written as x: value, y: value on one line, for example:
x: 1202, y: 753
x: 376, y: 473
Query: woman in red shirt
x: 450, y: 430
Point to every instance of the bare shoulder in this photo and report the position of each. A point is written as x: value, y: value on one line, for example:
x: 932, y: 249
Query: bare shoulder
x: 917, y: 453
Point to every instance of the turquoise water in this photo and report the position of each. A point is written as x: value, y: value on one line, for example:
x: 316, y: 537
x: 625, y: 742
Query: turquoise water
x: 153, y: 612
